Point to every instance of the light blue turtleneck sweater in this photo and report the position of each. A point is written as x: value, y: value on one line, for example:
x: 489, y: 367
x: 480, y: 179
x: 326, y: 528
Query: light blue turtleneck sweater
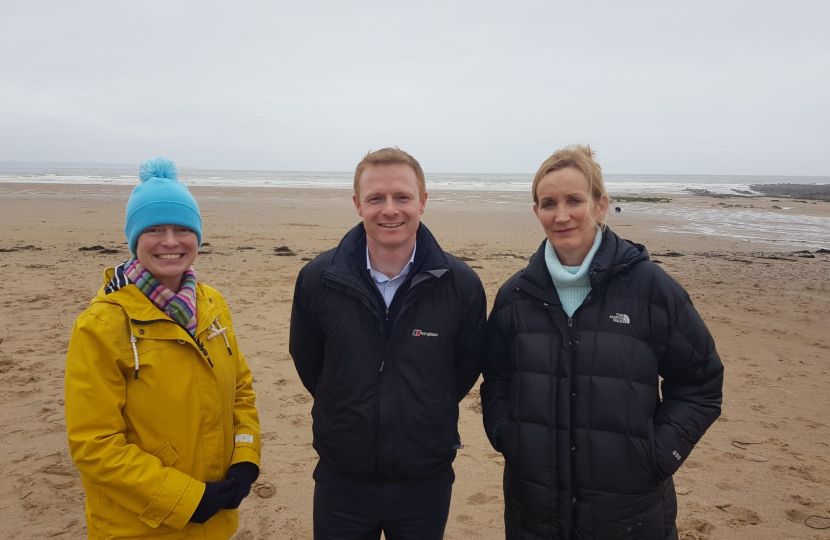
x: 572, y: 282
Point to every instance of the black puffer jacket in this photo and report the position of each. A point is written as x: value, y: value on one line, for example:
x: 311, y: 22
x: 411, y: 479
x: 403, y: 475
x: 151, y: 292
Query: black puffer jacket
x: 574, y: 403
x: 387, y: 408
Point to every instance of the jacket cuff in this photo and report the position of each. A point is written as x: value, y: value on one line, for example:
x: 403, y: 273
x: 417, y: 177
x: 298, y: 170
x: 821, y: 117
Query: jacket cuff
x: 245, y: 472
x: 670, y: 458
x: 175, y: 502
x: 245, y: 453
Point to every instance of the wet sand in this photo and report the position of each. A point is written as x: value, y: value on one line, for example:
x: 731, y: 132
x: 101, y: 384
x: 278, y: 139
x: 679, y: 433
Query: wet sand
x: 760, y: 472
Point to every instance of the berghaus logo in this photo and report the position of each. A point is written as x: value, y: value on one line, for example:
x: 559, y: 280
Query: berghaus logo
x: 421, y: 333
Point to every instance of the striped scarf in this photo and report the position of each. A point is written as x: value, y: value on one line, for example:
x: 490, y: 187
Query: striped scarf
x: 180, y: 307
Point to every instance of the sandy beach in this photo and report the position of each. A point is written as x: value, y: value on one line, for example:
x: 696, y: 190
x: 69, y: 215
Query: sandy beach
x: 761, y: 472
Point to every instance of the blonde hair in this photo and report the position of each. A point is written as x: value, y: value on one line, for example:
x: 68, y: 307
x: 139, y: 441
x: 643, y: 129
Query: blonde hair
x: 580, y: 157
x: 389, y: 156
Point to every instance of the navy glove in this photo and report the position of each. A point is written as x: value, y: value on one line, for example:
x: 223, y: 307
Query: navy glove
x: 217, y: 495
x: 243, y: 476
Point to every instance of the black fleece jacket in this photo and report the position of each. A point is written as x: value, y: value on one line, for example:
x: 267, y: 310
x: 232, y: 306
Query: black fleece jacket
x: 386, y: 402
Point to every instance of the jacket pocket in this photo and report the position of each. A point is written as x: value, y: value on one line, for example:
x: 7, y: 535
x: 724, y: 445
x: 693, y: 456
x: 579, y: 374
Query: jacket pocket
x: 121, y: 522
x: 652, y: 455
x: 498, y: 442
x: 167, y: 455
x: 508, y: 439
x: 444, y: 438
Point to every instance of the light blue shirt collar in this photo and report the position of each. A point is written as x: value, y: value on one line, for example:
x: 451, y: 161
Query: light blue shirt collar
x: 386, y: 285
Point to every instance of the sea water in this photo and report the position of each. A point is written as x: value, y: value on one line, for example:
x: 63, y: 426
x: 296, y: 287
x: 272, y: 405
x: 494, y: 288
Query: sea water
x: 617, y: 184
x: 786, y: 227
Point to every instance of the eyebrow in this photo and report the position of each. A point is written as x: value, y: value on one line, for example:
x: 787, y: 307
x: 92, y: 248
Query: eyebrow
x: 371, y: 194
x: 572, y: 194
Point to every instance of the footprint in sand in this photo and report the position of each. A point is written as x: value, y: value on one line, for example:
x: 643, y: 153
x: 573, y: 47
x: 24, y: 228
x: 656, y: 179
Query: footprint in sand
x: 12, y: 483
x: 802, y: 471
x: 701, y: 526
x: 266, y: 490
x: 61, y: 468
x: 7, y: 364
x: 797, y: 516
x: 817, y: 522
x: 744, y: 515
x: 481, y: 498
x: 805, y: 501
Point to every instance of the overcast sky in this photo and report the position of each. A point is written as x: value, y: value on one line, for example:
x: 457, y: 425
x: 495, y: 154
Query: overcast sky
x: 705, y: 87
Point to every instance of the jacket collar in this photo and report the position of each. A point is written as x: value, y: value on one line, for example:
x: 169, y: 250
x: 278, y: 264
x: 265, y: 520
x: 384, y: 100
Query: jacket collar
x: 536, y: 279
x: 139, y: 308
x: 349, y: 261
x: 614, y: 255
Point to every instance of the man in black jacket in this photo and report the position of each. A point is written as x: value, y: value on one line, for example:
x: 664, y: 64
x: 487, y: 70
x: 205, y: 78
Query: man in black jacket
x: 388, y: 334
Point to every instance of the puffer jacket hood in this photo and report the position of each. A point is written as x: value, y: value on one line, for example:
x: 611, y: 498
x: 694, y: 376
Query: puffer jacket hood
x: 153, y: 413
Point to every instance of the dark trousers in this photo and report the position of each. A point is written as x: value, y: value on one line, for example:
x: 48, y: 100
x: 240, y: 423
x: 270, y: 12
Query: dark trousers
x: 350, y: 508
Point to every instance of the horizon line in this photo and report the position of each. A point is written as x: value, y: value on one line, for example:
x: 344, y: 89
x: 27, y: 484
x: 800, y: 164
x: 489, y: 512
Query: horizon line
x: 13, y: 164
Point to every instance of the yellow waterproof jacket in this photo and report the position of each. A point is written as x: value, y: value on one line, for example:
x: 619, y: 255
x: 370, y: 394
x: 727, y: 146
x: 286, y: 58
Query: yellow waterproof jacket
x: 152, y: 413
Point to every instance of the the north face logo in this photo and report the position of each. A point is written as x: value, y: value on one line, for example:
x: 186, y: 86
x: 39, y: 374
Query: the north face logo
x: 420, y: 333
x: 621, y: 318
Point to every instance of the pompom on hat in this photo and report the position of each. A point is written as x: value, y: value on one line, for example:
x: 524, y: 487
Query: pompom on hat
x: 160, y: 199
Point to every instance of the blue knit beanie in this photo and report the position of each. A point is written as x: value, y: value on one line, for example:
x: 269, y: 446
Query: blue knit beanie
x: 160, y: 199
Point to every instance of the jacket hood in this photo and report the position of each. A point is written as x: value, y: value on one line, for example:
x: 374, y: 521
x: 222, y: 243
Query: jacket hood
x: 130, y: 298
x: 138, y: 307
x: 615, y: 255
x: 140, y: 310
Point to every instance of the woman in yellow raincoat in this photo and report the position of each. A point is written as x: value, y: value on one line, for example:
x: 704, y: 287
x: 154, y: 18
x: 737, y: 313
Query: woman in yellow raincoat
x: 160, y: 411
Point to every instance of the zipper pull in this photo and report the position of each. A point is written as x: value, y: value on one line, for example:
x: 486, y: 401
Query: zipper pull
x: 381, y: 365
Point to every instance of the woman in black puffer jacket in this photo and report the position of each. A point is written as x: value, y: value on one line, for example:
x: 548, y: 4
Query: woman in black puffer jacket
x: 578, y: 343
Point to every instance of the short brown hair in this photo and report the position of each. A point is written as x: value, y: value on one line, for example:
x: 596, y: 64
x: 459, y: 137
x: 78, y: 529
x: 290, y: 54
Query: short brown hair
x: 578, y: 156
x: 389, y: 156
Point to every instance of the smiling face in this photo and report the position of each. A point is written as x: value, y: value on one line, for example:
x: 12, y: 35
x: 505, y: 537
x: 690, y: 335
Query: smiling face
x: 391, y: 205
x: 568, y: 213
x: 167, y: 252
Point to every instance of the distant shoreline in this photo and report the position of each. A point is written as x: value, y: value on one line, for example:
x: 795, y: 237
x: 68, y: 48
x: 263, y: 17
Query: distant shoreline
x: 819, y: 192
x: 618, y: 185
